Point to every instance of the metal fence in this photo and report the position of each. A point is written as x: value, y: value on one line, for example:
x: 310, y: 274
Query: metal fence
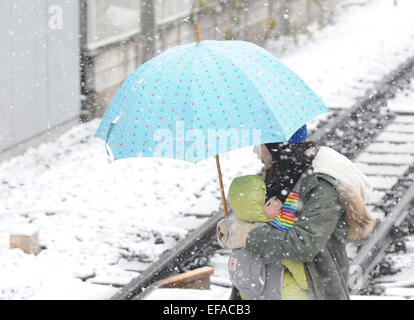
x: 110, y: 21
x: 123, y: 34
x: 171, y: 10
x: 113, y: 21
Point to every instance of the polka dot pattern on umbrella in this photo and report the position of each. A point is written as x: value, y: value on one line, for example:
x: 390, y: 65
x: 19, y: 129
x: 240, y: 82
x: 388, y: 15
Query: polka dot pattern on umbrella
x: 181, y: 97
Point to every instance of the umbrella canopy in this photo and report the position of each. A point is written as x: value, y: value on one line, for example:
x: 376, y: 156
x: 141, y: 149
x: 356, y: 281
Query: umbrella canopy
x: 203, y: 99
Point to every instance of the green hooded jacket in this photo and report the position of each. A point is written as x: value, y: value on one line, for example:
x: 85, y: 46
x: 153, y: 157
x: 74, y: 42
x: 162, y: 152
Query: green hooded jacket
x: 247, y: 197
x: 318, y: 239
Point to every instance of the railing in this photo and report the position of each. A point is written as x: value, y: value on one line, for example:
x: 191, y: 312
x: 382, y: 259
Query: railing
x: 110, y: 21
x: 139, y: 29
x: 171, y: 10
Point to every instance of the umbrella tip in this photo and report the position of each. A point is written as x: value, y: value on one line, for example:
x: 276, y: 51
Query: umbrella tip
x: 197, y: 32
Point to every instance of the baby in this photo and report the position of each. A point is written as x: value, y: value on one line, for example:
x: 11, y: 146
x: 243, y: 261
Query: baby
x: 247, y: 196
x: 247, y: 199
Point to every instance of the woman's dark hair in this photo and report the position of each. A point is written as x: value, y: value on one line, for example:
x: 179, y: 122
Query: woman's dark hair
x: 289, y: 162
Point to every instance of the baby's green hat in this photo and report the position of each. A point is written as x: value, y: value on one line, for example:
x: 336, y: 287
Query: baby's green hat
x: 247, y: 197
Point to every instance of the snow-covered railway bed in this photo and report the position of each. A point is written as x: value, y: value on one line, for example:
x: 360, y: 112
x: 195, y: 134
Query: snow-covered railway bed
x: 389, y: 155
x: 393, y: 151
x: 383, y: 158
x: 398, y: 280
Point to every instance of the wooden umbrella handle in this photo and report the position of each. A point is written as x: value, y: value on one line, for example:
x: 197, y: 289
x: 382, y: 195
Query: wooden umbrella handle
x: 223, y: 197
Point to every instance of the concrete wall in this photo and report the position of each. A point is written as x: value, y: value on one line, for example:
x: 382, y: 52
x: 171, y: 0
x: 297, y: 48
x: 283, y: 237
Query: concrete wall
x: 39, y: 79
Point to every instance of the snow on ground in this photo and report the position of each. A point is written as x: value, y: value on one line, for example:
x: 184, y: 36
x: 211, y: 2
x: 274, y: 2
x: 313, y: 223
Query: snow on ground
x: 400, y: 284
x: 343, y: 60
x: 403, y: 103
x: 94, y: 217
x: 106, y: 222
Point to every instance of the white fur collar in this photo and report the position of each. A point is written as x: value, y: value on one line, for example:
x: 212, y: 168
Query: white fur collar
x: 332, y: 163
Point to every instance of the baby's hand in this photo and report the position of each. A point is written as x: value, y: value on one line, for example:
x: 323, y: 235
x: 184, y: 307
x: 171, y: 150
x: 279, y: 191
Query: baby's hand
x: 272, y: 207
x: 223, y: 231
x: 232, y: 232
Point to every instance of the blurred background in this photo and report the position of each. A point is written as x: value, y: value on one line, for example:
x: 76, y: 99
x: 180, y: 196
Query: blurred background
x: 62, y: 61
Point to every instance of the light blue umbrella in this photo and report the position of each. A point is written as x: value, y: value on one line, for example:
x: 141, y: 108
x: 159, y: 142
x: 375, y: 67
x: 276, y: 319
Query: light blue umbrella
x: 204, y: 99
x: 211, y: 85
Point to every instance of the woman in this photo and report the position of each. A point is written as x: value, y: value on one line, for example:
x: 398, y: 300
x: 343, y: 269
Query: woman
x: 330, y: 211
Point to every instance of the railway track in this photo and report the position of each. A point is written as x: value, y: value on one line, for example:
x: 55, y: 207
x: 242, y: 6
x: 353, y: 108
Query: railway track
x: 369, y: 134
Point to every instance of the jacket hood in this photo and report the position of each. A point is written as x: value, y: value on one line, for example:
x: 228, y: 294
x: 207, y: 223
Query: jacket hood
x: 332, y: 163
x: 353, y: 188
x: 247, y: 198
